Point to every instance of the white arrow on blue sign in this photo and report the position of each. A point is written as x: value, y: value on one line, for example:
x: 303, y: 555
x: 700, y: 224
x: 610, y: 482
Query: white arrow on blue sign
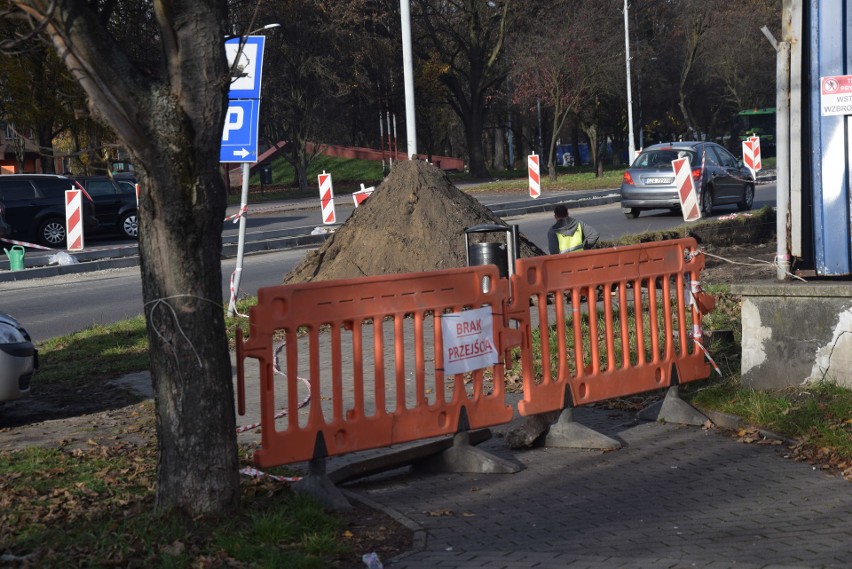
x: 239, y: 135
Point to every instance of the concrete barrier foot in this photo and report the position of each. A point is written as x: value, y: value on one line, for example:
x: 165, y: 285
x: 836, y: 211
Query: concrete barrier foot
x: 673, y: 409
x: 320, y: 486
x: 463, y: 457
x: 567, y: 433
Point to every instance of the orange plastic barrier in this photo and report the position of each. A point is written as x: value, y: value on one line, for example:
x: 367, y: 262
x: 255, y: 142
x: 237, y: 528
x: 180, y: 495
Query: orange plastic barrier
x: 346, y: 337
x: 644, y: 332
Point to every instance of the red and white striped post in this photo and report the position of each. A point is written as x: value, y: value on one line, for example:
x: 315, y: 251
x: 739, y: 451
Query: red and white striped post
x: 74, y: 220
x: 686, y: 189
x: 361, y: 196
x: 748, y: 158
x: 535, y: 175
x: 326, y: 198
x: 755, y: 147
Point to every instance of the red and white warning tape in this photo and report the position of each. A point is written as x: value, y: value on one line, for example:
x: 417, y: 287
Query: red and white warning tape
x: 27, y: 245
x: 236, y: 217
x: 232, y: 303
x: 255, y: 473
x: 697, y: 333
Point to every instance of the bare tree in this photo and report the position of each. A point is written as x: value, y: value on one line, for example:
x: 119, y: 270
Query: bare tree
x: 168, y: 110
x: 562, y: 61
x: 464, y: 39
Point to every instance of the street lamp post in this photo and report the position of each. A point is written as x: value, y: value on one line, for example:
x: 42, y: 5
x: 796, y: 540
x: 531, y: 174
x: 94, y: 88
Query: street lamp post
x: 631, y: 148
x: 408, y: 75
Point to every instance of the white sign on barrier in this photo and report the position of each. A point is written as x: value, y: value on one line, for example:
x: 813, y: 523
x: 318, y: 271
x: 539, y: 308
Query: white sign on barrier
x: 468, y: 339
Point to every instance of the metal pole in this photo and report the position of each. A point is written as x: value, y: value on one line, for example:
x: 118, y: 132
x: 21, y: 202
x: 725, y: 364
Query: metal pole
x: 631, y: 148
x: 782, y: 167
x: 540, y: 136
x: 395, y: 148
x: 232, y: 306
x: 782, y: 214
x: 390, y: 145
x: 382, y: 139
x: 791, y: 29
x: 511, y: 139
x: 408, y: 73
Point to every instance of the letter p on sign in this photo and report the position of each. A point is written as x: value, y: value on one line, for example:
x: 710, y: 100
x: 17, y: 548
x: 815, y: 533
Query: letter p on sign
x: 233, y: 121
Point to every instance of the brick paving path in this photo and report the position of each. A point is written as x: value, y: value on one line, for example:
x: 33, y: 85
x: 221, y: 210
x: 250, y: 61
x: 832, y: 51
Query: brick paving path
x: 673, y: 497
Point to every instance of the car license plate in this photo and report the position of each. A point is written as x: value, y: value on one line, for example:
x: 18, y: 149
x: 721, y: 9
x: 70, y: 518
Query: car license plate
x: 659, y: 180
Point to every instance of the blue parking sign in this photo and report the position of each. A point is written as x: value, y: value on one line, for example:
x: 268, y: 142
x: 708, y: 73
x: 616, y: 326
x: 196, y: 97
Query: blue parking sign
x: 239, y: 134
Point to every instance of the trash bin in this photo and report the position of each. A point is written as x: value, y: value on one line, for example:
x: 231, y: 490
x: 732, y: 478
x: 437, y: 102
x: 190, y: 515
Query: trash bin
x: 18, y: 359
x: 502, y: 255
x: 265, y: 174
x: 488, y: 254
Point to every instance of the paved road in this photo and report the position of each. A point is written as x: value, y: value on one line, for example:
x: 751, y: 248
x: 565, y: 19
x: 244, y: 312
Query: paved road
x: 101, y: 257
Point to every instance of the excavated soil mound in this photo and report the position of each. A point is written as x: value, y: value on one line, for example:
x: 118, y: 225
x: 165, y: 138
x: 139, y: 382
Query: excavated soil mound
x: 414, y: 221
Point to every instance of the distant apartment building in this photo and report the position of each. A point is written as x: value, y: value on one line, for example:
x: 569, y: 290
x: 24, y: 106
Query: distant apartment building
x: 13, y: 146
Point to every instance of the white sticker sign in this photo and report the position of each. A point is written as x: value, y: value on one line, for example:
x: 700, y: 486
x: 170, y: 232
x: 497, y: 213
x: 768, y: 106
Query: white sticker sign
x: 835, y: 95
x: 468, y: 341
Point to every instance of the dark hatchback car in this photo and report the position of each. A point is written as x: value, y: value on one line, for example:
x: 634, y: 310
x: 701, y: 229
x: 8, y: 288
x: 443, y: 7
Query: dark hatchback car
x: 719, y: 178
x: 35, y: 207
x: 115, y: 203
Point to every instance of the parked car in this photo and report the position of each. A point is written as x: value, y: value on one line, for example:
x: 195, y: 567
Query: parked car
x: 35, y: 207
x: 5, y: 230
x: 719, y: 178
x: 115, y: 203
x: 18, y: 359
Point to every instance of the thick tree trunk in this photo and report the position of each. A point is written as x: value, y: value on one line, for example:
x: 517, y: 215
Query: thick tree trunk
x: 499, y: 149
x: 171, y: 121
x: 179, y: 242
x: 45, y: 140
x: 473, y: 136
x: 592, y: 134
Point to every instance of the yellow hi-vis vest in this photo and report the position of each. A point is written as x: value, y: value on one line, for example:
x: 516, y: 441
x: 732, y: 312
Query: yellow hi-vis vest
x: 569, y: 243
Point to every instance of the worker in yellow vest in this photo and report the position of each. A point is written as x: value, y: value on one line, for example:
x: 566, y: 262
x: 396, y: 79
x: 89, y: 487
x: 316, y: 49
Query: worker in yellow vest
x: 569, y: 234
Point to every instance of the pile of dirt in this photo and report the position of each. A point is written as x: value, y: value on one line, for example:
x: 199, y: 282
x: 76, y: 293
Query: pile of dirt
x: 413, y: 222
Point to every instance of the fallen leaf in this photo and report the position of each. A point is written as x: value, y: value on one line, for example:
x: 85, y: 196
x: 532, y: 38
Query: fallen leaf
x: 174, y: 549
x: 440, y: 513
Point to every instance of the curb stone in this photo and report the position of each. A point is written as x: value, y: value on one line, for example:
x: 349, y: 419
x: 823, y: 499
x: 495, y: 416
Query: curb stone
x: 419, y: 534
x: 733, y: 422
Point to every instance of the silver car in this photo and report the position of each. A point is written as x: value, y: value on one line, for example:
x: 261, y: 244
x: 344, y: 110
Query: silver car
x: 719, y: 178
x: 18, y: 359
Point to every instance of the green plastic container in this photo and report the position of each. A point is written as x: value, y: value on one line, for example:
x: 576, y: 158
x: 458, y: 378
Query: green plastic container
x: 16, y: 258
